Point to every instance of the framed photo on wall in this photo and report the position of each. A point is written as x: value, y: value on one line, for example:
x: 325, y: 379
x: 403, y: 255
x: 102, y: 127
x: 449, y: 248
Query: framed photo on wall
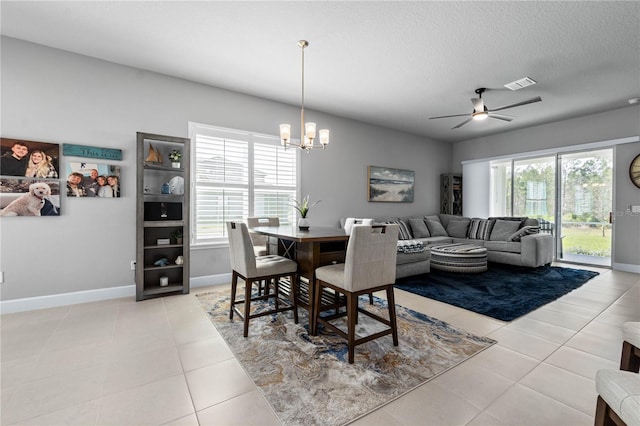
x: 391, y: 185
x: 97, y: 180
x: 29, y: 181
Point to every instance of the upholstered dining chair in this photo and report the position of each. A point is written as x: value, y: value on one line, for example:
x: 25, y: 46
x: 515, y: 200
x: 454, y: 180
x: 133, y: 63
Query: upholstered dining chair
x: 260, y: 241
x: 370, y: 265
x: 255, y: 269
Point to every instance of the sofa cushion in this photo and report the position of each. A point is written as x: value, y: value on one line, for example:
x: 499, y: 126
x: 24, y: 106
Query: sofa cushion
x: 403, y: 229
x: 445, y: 218
x: 479, y: 229
x: 503, y: 229
x: 419, y: 228
x: 520, y: 219
x: 505, y: 246
x: 525, y: 230
x: 458, y: 228
x: 404, y: 258
x: 436, y: 229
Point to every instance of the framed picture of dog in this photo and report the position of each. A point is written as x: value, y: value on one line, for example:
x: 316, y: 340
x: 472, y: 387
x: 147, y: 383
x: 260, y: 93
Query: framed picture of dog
x: 88, y: 179
x: 29, y: 180
x: 29, y: 197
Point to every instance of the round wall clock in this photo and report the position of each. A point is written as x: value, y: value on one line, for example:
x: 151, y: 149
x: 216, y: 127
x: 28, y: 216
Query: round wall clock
x: 634, y: 171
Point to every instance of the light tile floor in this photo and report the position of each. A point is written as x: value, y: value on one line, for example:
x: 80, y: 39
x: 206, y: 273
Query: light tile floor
x: 162, y: 362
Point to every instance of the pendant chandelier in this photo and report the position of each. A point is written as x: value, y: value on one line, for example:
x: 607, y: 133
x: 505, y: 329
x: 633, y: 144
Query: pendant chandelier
x: 307, y: 130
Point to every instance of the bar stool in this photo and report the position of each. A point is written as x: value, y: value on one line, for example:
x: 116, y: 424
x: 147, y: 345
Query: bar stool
x: 370, y: 265
x: 260, y: 241
x: 618, y: 398
x: 630, y: 360
x: 253, y: 270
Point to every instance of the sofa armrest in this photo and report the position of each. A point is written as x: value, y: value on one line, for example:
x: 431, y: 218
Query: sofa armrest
x: 537, y: 250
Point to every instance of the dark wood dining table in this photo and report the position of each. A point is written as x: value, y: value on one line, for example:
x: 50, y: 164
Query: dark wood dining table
x: 315, y: 247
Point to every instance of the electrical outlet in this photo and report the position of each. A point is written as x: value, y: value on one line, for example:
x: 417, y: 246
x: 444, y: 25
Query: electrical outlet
x: 133, y: 265
x: 1, y: 277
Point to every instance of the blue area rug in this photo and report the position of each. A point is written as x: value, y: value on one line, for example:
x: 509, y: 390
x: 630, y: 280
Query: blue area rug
x: 503, y: 292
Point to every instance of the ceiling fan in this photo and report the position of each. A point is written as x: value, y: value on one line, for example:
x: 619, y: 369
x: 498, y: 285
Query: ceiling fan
x: 481, y: 112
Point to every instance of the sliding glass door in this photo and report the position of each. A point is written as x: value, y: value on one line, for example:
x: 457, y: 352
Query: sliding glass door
x: 570, y: 195
x: 586, y: 200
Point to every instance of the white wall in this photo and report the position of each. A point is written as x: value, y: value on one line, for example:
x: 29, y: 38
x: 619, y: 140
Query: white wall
x: 616, y: 124
x: 55, y: 96
x: 476, y: 181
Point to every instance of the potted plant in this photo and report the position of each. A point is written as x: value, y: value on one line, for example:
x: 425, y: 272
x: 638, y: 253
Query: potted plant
x: 175, y: 156
x: 177, y: 236
x: 303, y: 208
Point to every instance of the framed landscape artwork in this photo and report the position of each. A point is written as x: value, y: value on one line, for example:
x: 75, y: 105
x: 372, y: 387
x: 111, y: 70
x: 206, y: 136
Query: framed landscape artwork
x: 391, y: 185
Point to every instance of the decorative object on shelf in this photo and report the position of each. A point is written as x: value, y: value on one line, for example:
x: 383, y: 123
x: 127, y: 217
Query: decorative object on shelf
x: 303, y: 208
x: 634, y: 171
x: 154, y: 156
x: 166, y: 188
x: 161, y: 262
x: 179, y: 260
x: 176, y: 185
x: 175, y: 157
x: 177, y: 236
x: 164, y: 281
x: 307, y: 130
x: 163, y: 241
x: 391, y: 185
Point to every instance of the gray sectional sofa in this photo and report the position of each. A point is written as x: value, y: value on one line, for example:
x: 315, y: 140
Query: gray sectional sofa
x: 510, y: 240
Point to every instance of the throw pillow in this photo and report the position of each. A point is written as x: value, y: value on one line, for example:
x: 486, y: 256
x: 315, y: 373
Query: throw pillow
x: 479, y: 229
x: 525, y: 230
x: 458, y: 228
x: 419, y: 228
x: 503, y: 229
x: 436, y: 229
x: 403, y: 231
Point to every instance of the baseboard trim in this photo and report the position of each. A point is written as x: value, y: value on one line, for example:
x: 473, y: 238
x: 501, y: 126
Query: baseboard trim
x: 626, y: 267
x: 55, y: 300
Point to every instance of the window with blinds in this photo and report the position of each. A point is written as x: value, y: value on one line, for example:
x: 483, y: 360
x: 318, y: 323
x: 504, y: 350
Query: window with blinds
x: 238, y: 174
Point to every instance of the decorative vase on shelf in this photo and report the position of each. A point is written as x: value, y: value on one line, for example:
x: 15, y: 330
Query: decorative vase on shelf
x: 175, y: 165
x: 303, y: 224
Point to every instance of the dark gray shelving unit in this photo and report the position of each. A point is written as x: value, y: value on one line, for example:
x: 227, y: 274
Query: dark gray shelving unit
x: 160, y: 215
x: 451, y: 194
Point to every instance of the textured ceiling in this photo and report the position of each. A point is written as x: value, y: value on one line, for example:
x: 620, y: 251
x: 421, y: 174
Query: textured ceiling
x: 390, y: 63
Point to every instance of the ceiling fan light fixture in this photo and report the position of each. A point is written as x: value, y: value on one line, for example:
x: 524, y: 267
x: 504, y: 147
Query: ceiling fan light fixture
x: 479, y: 116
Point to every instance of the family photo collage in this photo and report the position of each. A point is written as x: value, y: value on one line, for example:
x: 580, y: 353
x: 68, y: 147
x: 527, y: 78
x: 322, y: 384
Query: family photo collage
x: 33, y: 180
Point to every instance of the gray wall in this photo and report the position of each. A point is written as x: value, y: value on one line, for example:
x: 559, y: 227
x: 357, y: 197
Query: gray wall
x: 55, y: 96
x: 610, y: 125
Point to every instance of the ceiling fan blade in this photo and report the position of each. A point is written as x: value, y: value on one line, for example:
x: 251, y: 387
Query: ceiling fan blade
x: 528, y: 101
x: 447, y: 116
x: 478, y: 104
x: 501, y: 117
x: 462, y: 124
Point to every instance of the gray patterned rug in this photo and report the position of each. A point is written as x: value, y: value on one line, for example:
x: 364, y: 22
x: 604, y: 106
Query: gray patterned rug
x: 307, y: 379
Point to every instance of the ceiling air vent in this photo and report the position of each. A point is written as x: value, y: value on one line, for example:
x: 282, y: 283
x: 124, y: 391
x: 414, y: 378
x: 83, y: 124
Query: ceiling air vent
x: 520, y: 84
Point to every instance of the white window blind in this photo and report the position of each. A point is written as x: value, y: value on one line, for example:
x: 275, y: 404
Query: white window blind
x: 239, y: 174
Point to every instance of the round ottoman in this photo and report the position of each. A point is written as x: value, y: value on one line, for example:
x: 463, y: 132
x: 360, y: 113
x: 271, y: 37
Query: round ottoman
x: 459, y: 257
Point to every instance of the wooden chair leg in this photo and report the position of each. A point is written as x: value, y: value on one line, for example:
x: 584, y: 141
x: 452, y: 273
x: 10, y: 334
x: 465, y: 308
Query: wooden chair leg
x: 391, y: 302
x: 234, y: 287
x: 293, y: 296
x: 630, y: 360
x: 352, y: 311
x: 247, y: 306
x: 371, y: 298
x: 317, y: 301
